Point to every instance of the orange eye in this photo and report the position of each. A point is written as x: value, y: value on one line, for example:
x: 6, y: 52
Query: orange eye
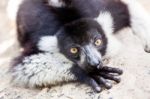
x: 74, y: 50
x: 98, y: 42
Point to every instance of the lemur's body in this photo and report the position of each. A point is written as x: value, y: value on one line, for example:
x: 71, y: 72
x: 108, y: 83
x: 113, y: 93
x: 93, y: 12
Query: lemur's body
x: 51, y: 18
x: 55, y: 26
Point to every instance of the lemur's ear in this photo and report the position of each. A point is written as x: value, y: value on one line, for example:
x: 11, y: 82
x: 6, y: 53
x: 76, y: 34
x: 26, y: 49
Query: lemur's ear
x: 48, y: 44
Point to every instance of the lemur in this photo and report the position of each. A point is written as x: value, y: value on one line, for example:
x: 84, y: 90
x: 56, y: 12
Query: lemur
x: 77, y: 33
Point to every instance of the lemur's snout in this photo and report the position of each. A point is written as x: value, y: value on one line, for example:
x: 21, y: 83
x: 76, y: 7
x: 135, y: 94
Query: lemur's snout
x: 93, y: 58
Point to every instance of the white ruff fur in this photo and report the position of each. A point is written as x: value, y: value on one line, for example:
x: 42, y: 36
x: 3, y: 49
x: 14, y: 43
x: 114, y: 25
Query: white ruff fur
x: 140, y: 22
x: 43, y: 69
x: 48, y: 43
x: 56, y: 3
x: 106, y: 21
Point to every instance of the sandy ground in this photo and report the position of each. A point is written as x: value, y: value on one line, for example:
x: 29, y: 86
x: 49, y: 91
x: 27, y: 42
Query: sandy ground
x: 132, y: 59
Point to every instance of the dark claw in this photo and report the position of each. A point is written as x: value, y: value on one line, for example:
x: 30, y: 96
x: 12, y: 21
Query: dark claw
x: 95, y: 85
x: 111, y: 70
x: 103, y: 81
x: 110, y: 77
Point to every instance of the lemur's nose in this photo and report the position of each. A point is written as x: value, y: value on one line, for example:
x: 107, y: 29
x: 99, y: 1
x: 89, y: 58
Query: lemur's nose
x: 97, y: 65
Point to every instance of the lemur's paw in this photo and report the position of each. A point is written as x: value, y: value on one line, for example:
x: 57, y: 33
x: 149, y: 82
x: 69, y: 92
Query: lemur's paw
x: 101, y: 77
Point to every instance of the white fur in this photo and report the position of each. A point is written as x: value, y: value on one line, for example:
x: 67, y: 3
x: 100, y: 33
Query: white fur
x: 140, y: 22
x: 56, y: 3
x: 48, y: 43
x: 106, y: 21
x: 43, y: 69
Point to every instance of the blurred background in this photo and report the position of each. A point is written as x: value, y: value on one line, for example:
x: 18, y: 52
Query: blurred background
x: 8, y: 45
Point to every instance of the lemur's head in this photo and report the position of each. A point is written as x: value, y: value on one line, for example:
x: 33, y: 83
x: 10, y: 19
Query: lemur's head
x: 83, y: 42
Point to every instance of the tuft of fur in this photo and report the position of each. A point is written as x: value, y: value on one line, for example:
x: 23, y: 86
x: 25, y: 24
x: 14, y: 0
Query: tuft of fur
x: 48, y: 43
x: 56, y: 3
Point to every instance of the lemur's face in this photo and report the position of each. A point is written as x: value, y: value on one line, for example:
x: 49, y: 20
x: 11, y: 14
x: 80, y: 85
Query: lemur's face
x: 84, y: 43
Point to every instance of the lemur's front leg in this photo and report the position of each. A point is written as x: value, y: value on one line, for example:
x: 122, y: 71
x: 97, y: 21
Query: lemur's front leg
x: 140, y: 22
x: 48, y: 69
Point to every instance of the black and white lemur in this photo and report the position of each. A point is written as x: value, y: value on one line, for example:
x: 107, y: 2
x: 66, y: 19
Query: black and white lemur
x: 66, y: 40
